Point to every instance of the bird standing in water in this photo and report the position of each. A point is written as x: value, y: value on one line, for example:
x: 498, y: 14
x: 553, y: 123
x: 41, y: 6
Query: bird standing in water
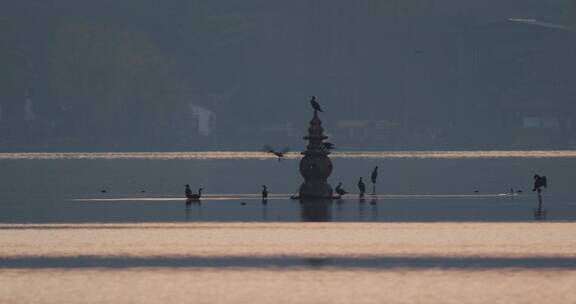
x: 196, y: 196
x: 264, y: 192
x: 373, y: 177
x: 361, y: 187
x: 539, y: 182
x: 188, y: 192
x: 340, y: 191
x: 315, y: 104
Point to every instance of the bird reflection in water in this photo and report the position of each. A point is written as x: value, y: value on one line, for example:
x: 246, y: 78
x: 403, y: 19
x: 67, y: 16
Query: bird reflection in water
x: 264, y: 217
x: 339, y: 209
x: 374, y: 208
x: 540, y: 213
x: 188, y: 212
x: 361, y: 208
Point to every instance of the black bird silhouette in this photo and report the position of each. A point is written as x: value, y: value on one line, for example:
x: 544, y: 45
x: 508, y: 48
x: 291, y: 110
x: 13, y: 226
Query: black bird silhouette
x: 188, y: 192
x: 103, y: 191
x: 340, y: 191
x: 374, y: 175
x: 264, y: 192
x: 315, y: 104
x: 539, y: 182
x: 280, y: 154
x: 196, y: 196
x: 361, y: 187
x: 329, y: 145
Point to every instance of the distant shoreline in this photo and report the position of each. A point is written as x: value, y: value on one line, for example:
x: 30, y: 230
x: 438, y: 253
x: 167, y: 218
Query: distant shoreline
x: 229, y: 155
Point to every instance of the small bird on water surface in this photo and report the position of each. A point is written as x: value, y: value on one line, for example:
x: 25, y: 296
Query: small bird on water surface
x: 315, y: 104
x: 340, y: 191
x: 195, y: 196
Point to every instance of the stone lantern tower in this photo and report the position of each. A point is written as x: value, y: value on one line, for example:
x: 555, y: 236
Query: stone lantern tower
x: 315, y: 166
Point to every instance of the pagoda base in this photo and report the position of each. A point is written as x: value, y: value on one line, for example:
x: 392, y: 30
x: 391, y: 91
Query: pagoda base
x: 315, y: 190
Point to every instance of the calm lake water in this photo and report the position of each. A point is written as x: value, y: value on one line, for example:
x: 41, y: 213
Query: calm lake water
x: 412, y: 186
x: 442, y: 228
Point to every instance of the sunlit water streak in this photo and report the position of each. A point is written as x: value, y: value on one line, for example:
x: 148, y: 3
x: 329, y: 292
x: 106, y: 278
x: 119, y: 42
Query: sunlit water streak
x: 256, y: 196
x: 247, y: 155
x: 288, y: 263
x: 173, y: 285
x: 290, y: 239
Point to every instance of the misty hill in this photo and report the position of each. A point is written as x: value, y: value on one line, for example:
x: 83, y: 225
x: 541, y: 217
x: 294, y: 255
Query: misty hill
x: 195, y: 75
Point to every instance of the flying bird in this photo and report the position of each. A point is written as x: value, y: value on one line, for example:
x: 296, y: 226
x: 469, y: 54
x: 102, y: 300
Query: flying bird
x: 315, y: 104
x: 280, y: 154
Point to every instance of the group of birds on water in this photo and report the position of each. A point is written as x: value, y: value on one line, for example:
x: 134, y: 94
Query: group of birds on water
x: 361, y: 185
x: 195, y: 197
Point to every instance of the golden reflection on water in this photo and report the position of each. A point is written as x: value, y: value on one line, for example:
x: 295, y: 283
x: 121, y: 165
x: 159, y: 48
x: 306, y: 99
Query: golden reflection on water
x: 247, y: 155
x: 314, y: 283
x: 290, y: 239
x: 168, y: 285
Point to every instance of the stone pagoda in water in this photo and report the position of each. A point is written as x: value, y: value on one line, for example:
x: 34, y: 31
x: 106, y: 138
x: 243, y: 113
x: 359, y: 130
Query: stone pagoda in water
x: 315, y: 166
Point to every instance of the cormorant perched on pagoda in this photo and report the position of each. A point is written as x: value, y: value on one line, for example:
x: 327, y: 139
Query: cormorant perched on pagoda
x: 340, y: 191
x: 315, y: 104
x: 329, y: 145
